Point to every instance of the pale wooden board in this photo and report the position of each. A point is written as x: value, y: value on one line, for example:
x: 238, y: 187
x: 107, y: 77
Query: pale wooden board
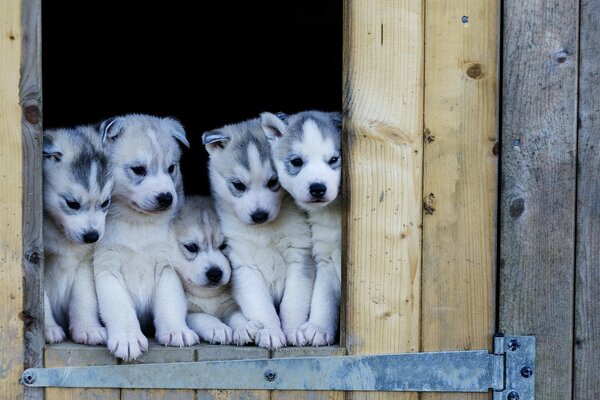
x: 11, y: 200
x: 459, y: 178
x: 206, y: 352
x: 538, y: 184
x: 587, y: 297
x: 72, y: 355
x: 291, y: 352
x: 160, y: 354
x: 31, y: 102
x: 383, y: 98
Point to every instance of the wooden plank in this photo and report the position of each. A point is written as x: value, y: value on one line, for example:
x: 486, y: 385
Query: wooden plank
x: 207, y: 352
x: 383, y: 99
x: 586, y: 383
x: 71, y: 355
x: 31, y: 104
x: 290, y: 352
x: 538, y: 184
x: 160, y: 354
x: 459, y: 177
x: 11, y: 201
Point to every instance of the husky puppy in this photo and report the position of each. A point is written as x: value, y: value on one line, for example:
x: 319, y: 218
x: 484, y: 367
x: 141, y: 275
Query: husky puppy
x: 307, y: 153
x: 132, y: 268
x: 77, y: 186
x: 198, y: 257
x: 268, y: 235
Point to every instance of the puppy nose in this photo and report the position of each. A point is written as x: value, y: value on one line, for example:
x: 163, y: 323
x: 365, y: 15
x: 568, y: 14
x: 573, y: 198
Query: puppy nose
x: 164, y: 199
x: 317, y: 190
x: 260, y: 216
x: 214, y: 274
x: 91, y: 237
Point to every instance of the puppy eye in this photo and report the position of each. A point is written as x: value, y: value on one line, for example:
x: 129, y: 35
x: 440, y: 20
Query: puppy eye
x: 139, y: 170
x: 171, y: 168
x: 297, y: 162
x: 223, y: 246
x: 273, y: 184
x: 239, y: 186
x: 191, y: 247
x: 333, y: 160
x: 106, y: 203
x: 73, y: 204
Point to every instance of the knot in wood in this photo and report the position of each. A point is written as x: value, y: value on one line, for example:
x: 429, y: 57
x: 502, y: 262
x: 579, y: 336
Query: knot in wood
x: 475, y: 70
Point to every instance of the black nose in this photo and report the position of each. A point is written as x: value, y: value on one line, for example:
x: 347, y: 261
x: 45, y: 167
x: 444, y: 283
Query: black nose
x: 214, y: 274
x: 164, y: 199
x: 260, y: 216
x: 91, y: 237
x: 317, y: 190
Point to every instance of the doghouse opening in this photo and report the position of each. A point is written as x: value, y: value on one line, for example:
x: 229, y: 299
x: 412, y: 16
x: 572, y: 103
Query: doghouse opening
x: 206, y: 64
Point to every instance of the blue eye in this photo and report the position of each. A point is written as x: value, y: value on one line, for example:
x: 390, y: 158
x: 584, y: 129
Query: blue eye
x: 333, y: 160
x: 297, y: 162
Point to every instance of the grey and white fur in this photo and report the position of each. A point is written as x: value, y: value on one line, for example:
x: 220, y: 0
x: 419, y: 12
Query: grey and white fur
x: 134, y: 276
x: 77, y: 188
x: 307, y: 154
x: 199, y: 249
x: 268, y: 235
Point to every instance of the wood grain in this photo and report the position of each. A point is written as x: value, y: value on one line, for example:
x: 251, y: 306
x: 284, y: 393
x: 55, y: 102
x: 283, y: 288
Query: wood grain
x: 11, y: 201
x: 383, y: 85
x: 538, y: 184
x: 459, y: 178
x: 586, y: 383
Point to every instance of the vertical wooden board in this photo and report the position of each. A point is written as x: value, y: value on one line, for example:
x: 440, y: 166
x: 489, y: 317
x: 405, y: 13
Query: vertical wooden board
x: 11, y: 201
x: 538, y: 184
x: 207, y: 352
x: 459, y: 177
x: 586, y: 383
x: 161, y: 354
x: 290, y: 352
x: 383, y: 84
x: 76, y: 355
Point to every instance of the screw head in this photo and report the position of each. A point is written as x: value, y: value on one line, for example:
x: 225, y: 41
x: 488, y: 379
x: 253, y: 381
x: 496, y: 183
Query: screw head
x: 270, y: 375
x: 526, y: 372
x: 514, y: 345
x: 464, y: 19
x: 512, y: 396
x: 28, y: 378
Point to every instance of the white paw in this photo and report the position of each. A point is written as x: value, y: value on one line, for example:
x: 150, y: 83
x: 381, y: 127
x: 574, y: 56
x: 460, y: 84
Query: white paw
x: 177, y: 337
x: 295, y: 337
x: 221, y: 334
x: 89, y: 334
x: 127, y: 345
x: 316, y: 335
x: 54, y: 334
x: 247, y: 333
x: 270, y: 338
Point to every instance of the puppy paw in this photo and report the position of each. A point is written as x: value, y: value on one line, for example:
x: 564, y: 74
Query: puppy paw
x: 177, y: 337
x: 316, y: 335
x: 295, y: 337
x: 89, y: 334
x: 247, y: 333
x: 270, y: 338
x: 54, y: 334
x: 218, y: 334
x: 127, y: 345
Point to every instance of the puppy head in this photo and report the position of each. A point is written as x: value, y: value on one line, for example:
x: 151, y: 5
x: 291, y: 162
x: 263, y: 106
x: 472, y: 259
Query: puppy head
x: 242, y: 173
x: 144, y: 155
x: 200, y: 244
x: 77, y: 182
x: 307, y: 153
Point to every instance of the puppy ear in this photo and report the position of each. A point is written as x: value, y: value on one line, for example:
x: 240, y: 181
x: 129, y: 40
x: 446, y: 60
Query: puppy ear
x: 215, y: 140
x: 177, y: 131
x: 111, y: 128
x: 50, y: 150
x: 273, y: 125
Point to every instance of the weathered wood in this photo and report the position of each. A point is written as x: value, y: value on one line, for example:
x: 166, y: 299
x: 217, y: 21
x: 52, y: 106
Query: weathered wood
x: 459, y: 177
x: 538, y: 184
x: 11, y: 200
x: 31, y: 105
x: 71, y: 355
x: 383, y: 98
x: 586, y: 383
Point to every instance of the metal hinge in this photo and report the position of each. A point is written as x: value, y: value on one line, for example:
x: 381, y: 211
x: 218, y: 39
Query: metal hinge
x: 509, y: 372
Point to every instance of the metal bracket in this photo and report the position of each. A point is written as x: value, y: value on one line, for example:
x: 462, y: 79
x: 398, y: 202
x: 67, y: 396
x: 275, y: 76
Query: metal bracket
x: 508, y: 372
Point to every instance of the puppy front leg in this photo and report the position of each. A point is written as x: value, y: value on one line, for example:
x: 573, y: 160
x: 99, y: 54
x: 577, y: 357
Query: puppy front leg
x: 244, y: 331
x: 251, y: 293
x: 210, y: 328
x: 295, y: 305
x: 125, y: 338
x: 84, y: 324
x: 170, y: 310
x: 52, y: 331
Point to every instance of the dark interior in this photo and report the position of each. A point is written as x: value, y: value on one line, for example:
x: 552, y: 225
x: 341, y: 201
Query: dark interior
x: 237, y: 58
